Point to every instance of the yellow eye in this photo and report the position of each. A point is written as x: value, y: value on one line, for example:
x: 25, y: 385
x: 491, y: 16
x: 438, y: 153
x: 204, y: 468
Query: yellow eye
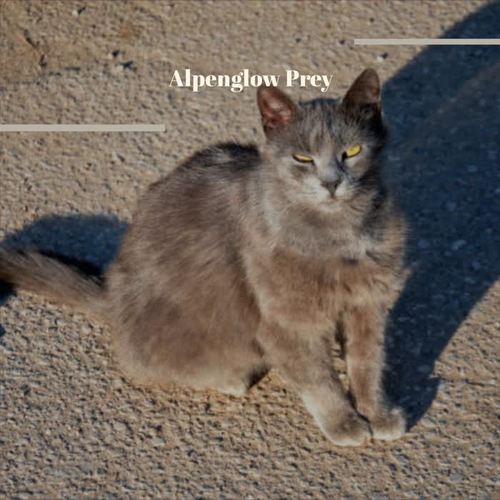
x: 303, y: 158
x: 353, y: 151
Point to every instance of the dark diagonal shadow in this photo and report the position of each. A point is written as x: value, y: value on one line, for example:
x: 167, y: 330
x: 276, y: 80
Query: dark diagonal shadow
x: 444, y: 112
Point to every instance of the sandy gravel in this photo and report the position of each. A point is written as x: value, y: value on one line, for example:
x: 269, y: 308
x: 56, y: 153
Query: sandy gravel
x: 70, y: 426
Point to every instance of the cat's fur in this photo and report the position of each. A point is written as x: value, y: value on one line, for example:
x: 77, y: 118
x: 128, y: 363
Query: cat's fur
x: 242, y: 260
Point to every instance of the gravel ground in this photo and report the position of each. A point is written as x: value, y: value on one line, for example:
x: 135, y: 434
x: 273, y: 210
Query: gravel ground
x: 70, y: 425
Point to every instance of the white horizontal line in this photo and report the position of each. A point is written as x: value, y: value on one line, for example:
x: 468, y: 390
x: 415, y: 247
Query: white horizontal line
x: 81, y: 127
x: 427, y: 41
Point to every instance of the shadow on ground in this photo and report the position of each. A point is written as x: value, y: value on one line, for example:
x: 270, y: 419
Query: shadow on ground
x: 90, y: 242
x: 444, y: 111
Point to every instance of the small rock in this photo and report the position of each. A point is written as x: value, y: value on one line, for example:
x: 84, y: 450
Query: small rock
x: 456, y: 477
x: 117, y: 158
x: 451, y: 206
x: 129, y: 65
x: 117, y: 384
x: 457, y: 245
x: 120, y: 427
x: 116, y: 69
x: 415, y: 351
x: 157, y: 442
x: 77, y: 12
x: 472, y: 168
x: 423, y: 244
x: 382, y: 57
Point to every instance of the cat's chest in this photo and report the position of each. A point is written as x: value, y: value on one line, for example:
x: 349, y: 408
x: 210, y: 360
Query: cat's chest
x: 297, y: 290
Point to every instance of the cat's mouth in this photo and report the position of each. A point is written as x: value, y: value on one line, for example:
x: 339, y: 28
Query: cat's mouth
x: 335, y: 198
x: 332, y: 204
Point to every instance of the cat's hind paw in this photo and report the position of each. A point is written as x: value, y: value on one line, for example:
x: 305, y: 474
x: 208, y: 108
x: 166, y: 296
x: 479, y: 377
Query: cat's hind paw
x: 389, y: 426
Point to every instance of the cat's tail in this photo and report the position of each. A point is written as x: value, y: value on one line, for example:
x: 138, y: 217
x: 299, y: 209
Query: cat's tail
x: 38, y: 273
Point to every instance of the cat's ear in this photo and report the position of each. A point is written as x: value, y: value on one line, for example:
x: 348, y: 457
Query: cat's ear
x: 276, y: 108
x: 364, y: 93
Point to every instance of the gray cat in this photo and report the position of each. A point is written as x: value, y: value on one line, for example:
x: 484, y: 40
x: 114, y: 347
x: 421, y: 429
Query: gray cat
x: 245, y: 259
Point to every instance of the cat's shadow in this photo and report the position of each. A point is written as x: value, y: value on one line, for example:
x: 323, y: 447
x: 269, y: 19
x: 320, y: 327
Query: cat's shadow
x: 444, y: 111
x: 443, y: 108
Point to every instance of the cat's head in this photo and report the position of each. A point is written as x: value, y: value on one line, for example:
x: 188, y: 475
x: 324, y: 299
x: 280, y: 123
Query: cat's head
x: 324, y: 151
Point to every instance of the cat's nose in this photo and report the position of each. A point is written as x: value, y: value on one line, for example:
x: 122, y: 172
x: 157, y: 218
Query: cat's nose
x: 331, y: 185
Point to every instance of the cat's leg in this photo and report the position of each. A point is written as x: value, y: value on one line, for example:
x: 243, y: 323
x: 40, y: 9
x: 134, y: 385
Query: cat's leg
x: 305, y: 362
x: 364, y: 348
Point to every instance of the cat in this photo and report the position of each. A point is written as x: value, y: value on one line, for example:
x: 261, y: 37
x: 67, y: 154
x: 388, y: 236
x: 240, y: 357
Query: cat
x: 245, y: 259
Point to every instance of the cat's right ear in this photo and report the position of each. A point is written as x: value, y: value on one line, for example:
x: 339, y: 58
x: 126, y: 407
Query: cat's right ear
x: 276, y: 108
x: 365, y: 90
x: 363, y: 97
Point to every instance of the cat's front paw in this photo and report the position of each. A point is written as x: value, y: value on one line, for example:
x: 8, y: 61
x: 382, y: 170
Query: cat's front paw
x: 350, y: 430
x: 389, y: 425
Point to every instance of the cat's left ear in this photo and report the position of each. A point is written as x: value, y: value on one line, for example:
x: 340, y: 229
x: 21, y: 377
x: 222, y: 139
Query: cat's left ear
x: 364, y: 93
x: 276, y: 108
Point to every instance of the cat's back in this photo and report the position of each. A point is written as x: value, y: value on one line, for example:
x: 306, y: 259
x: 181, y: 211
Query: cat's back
x: 225, y: 159
x: 203, y: 190
x: 214, y: 168
x: 193, y: 212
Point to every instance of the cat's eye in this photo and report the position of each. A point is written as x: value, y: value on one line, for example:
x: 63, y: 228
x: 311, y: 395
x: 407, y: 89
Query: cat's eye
x: 303, y: 158
x: 353, y: 151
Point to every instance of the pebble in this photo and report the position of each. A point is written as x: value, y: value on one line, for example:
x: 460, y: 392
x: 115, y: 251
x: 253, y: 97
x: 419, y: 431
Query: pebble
x: 116, y: 158
x: 458, y: 244
x: 415, y: 351
x: 456, y: 477
x: 116, y: 69
x: 451, y: 206
x: 116, y: 384
x: 472, y: 168
x: 77, y: 12
x: 158, y: 441
x: 120, y: 427
x: 423, y: 244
